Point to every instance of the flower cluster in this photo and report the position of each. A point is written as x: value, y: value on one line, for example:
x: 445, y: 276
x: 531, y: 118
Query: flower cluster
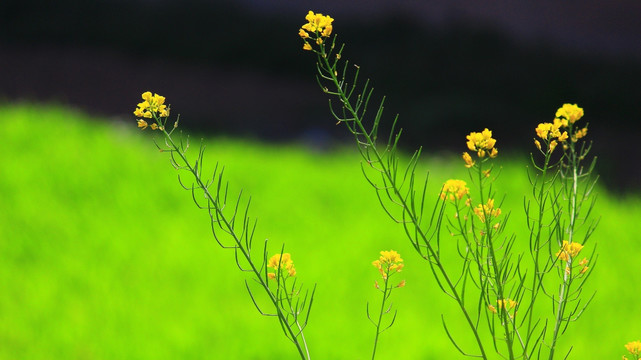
x: 552, y: 132
x: 153, y: 107
x: 281, y: 261
x: 634, y: 347
x: 456, y: 189
x: 482, y: 143
x: 507, y: 304
x: 548, y: 131
x: 319, y: 25
x: 153, y: 104
x: 487, y: 211
x: 569, y: 250
x: 570, y: 113
x: 388, y: 263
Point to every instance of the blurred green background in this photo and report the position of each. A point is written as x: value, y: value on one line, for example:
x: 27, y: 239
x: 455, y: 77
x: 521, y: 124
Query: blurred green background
x: 104, y: 256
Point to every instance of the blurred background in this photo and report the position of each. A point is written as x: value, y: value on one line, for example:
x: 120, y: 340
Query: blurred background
x: 104, y: 256
x: 236, y: 67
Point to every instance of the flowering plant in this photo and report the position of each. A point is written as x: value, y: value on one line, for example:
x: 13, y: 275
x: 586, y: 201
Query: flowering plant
x: 502, y: 294
x: 233, y: 229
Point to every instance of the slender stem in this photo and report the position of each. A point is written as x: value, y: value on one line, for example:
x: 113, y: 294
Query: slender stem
x: 565, y: 287
x: 537, y: 240
x: 537, y: 281
x: 503, y: 311
x: 380, y: 317
x: 399, y: 197
x: 294, y: 311
x: 230, y: 229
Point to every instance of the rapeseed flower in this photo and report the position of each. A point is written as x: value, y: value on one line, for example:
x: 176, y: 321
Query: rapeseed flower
x: 281, y: 261
x: 569, y: 112
x: 318, y: 26
x: 634, y: 347
x: 487, y: 211
x: 569, y: 250
x: 456, y: 189
x: 482, y: 143
x: 549, y: 131
x: 152, y: 106
x: 468, y: 160
x: 388, y: 263
x: 507, y: 304
x: 579, y: 134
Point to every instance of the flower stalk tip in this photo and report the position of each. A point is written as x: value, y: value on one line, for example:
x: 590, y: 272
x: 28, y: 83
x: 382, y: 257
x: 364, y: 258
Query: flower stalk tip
x: 281, y: 261
x: 482, y: 143
x: 317, y: 28
x: 454, y: 190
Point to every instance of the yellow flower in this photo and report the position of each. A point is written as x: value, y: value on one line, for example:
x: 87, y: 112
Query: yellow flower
x: 634, y: 347
x: 401, y: 284
x: 563, y: 136
x: 468, y: 160
x: 549, y: 131
x: 482, y: 143
x: 456, y: 189
x: 152, y: 105
x: 318, y: 23
x: 328, y: 30
x: 580, y: 134
x: 491, y: 308
x: 281, y: 261
x: 507, y: 304
x: 543, y: 129
x: 569, y: 112
x: 388, y: 263
x: 559, y: 123
x: 569, y: 250
x: 487, y: 211
x: 142, y: 124
x: 537, y: 144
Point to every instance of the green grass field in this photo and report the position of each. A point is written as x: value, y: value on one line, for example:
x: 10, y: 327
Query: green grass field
x: 104, y: 256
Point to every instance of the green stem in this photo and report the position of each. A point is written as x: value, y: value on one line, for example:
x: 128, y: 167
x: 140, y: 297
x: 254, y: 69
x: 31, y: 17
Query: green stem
x: 399, y: 197
x: 537, y: 282
x: 304, y: 354
x: 565, y: 287
x: 380, y: 317
x: 503, y: 311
